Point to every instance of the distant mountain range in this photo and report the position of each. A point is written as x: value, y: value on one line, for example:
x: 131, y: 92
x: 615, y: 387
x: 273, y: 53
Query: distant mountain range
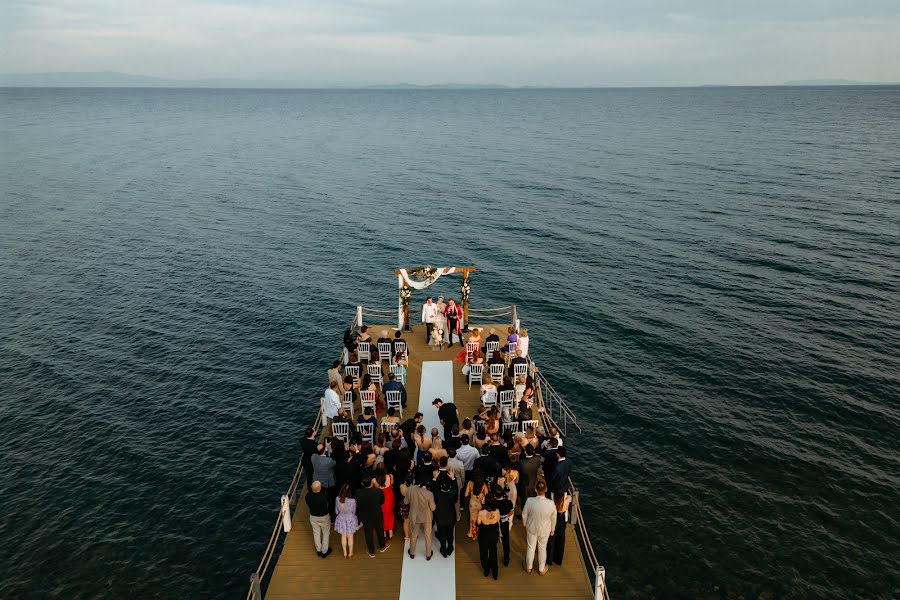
x: 125, y: 80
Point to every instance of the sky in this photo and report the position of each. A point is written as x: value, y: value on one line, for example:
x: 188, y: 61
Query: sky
x: 511, y: 42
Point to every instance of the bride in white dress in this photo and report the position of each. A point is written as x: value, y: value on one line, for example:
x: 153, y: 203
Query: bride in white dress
x: 441, y: 321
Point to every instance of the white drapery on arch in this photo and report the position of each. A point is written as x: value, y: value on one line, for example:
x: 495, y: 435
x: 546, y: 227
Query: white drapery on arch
x: 404, y: 279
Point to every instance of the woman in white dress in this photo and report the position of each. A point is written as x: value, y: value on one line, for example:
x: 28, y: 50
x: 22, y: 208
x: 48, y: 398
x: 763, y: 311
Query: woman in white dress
x: 441, y: 321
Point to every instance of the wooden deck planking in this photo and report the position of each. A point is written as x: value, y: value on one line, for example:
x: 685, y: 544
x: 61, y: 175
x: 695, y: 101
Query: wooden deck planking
x: 300, y: 573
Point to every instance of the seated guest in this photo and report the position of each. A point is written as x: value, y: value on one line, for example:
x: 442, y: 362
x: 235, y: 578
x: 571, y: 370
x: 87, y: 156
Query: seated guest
x: 518, y: 360
x: 384, y: 339
x: 511, y: 338
x: 368, y: 384
x: 350, y: 338
x: 496, y: 359
x: 354, y: 362
x: 520, y: 388
x: 341, y: 417
x: 492, y: 337
x: 522, y: 344
x: 392, y: 385
x: 506, y: 386
x: 368, y: 416
x: 487, y: 387
x: 391, y: 418
x: 477, y: 358
x: 524, y: 413
x: 475, y: 338
x: 395, y: 343
x: 364, y: 334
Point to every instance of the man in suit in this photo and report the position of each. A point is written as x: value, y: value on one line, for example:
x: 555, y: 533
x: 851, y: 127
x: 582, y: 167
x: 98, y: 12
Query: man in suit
x: 395, y: 343
x: 425, y: 471
x: 529, y: 465
x: 488, y: 465
x: 369, y: 499
x: 458, y: 469
x: 539, y: 519
x: 561, y: 472
x: 518, y: 360
x: 429, y: 316
x: 493, y: 337
x: 392, y: 385
x: 446, y: 495
x: 421, y: 508
x: 447, y: 413
x: 323, y: 471
x: 308, y: 446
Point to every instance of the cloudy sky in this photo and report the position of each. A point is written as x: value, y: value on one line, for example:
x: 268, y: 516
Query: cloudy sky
x: 518, y: 42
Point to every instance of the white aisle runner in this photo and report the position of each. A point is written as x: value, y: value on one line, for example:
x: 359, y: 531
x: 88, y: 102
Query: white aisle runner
x: 433, y: 579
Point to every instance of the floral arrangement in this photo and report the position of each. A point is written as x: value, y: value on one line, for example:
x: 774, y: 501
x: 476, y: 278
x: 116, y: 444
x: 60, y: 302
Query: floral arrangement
x: 426, y: 273
x: 437, y: 336
x: 464, y: 290
x: 405, y: 295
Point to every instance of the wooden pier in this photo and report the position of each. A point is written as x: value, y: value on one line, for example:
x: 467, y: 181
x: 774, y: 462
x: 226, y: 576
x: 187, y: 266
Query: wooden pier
x: 300, y: 573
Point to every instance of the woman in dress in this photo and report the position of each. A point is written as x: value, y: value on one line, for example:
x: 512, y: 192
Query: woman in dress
x: 528, y: 392
x: 488, y: 387
x: 488, y: 521
x: 346, y: 522
x: 391, y: 418
x: 402, y: 507
x: 467, y: 428
x: 368, y: 384
x: 520, y: 388
x: 367, y: 416
x: 386, y: 483
x: 511, y: 481
x: 364, y: 334
x: 511, y: 338
x: 475, y: 491
x: 522, y: 344
x: 440, y: 321
x: 556, y: 543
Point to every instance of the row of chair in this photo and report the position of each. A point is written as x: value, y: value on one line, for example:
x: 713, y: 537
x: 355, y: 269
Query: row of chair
x: 367, y: 430
x: 375, y: 372
x: 385, y: 351
x: 497, y: 372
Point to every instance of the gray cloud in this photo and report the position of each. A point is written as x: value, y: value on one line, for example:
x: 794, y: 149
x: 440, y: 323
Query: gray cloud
x: 579, y: 42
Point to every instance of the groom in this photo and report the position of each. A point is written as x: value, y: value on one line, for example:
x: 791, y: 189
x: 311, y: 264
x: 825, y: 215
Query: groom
x: 429, y: 315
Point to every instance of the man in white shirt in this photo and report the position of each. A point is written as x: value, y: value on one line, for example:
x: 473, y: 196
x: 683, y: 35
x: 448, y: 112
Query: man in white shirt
x: 332, y: 402
x: 539, y: 519
x: 467, y: 455
x: 429, y: 316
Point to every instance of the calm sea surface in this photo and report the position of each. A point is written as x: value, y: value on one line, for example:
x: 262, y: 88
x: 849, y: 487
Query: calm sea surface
x: 710, y: 276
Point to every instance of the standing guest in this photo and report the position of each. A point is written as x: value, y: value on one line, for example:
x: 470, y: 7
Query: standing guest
x: 467, y: 454
x: 529, y: 465
x: 308, y: 446
x: 369, y: 499
x: 421, y: 506
x: 549, y: 458
x: 556, y: 545
x: 561, y: 472
x: 408, y: 427
x: 507, y: 512
x: 385, y: 482
x: 458, y: 469
x: 429, y: 316
x: 392, y: 385
x: 528, y: 392
x: 334, y: 373
x: 447, y: 414
x: 350, y: 338
x: 402, y: 505
x: 522, y: 344
x: 425, y: 471
x: 488, y: 521
x: 476, y: 490
x: 454, y: 315
x: 323, y: 471
x: 319, y: 518
x: 346, y: 522
x: 332, y: 403
x: 539, y: 519
x: 446, y: 495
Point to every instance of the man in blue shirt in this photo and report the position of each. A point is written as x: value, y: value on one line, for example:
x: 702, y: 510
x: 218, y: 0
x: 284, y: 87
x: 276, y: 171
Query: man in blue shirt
x: 392, y: 385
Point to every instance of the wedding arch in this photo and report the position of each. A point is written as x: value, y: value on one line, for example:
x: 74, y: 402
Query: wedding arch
x: 420, y: 278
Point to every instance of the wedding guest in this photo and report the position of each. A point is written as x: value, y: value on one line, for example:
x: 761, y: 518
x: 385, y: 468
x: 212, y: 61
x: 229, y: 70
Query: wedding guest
x: 559, y: 479
x: 369, y: 499
x: 475, y: 491
x: 488, y: 521
x: 334, y: 373
x: 511, y: 338
x: 492, y: 337
x: 319, y: 518
x: 402, y: 361
x: 529, y: 465
x: 391, y: 418
x: 429, y: 316
x: 346, y: 522
x: 385, y: 482
x: 392, y: 385
x: 332, y: 403
x: 518, y: 360
x: 350, y: 338
x: 421, y: 508
x: 354, y: 362
x: 458, y: 468
x: 369, y: 384
x: 522, y: 344
x: 528, y: 392
x: 467, y: 428
x: 539, y: 519
x: 496, y: 359
x: 556, y: 544
x: 475, y: 338
x: 506, y: 506
x: 396, y: 344
x: 364, y: 334
x: 308, y: 446
x: 384, y: 339
x: 488, y: 388
x: 323, y: 468
x: 446, y: 495
x: 454, y: 315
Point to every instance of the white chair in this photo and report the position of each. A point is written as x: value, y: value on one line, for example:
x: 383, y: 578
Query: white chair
x: 526, y: 424
x: 399, y: 373
x: 489, y: 398
x: 507, y: 400
x: 476, y: 373
x: 401, y: 347
x: 353, y: 371
x: 511, y: 427
x: 394, y: 400
x: 363, y: 351
x: 388, y: 427
x: 366, y: 432
x: 471, y: 348
x: 497, y: 373
x: 347, y: 402
x: 384, y: 351
x: 367, y: 399
x: 375, y: 373
x: 512, y: 348
x: 520, y: 370
x: 492, y: 347
x: 341, y: 431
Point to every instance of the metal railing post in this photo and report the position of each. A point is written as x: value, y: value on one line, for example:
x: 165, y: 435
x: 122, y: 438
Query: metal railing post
x: 256, y: 592
x: 577, y: 508
x: 359, y: 321
x: 600, y: 585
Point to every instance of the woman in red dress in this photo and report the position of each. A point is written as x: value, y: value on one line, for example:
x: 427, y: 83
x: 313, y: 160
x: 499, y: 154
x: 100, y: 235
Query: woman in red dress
x: 386, y: 483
